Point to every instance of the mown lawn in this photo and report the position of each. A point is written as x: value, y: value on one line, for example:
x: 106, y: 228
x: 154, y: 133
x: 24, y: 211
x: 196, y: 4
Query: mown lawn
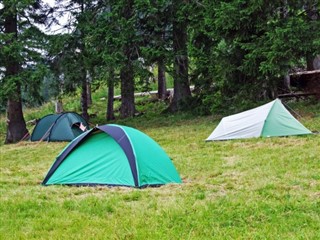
x: 241, y: 189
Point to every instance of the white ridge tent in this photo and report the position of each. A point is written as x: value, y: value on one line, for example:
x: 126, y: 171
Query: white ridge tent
x: 269, y: 120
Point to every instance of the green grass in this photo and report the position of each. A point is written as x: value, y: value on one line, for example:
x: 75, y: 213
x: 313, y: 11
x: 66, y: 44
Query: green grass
x: 265, y: 188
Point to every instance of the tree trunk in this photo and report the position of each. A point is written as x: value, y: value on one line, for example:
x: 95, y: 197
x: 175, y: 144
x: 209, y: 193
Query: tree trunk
x: 110, y: 110
x: 83, y: 72
x: 84, y: 96
x: 89, y: 96
x: 181, y: 82
x: 58, y: 106
x: 312, y: 11
x: 16, y: 125
x: 310, y: 57
x: 127, y: 108
x: 316, y: 63
x: 162, y: 86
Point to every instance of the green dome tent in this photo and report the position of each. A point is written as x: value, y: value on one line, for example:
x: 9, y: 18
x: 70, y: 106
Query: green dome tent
x: 113, y: 155
x: 269, y: 120
x: 59, y: 127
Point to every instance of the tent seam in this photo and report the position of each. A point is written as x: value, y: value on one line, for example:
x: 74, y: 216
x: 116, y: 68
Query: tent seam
x: 267, y: 116
x: 134, y: 153
x: 53, y: 125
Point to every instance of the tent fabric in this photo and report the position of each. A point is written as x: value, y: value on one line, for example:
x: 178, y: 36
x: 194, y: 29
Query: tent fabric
x: 112, y: 155
x: 269, y: 120
x: 59, y: 127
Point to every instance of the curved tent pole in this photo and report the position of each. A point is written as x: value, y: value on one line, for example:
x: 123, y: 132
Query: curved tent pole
x: 38, y: 121
x: 65, y: 153
x: 123, y: 140
x: 54, y: 123
x: 47, y: 133
x: 119, y: 136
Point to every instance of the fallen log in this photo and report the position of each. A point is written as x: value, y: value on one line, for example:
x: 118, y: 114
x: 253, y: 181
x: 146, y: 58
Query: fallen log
x: 297, y: 95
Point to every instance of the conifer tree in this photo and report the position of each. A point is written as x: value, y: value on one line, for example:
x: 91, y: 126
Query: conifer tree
x: 22, y: 61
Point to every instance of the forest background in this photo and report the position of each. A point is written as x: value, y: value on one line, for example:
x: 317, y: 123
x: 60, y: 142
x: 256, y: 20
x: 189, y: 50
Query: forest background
x: 234, y: 53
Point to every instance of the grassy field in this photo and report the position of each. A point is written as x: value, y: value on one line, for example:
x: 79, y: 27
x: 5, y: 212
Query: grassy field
x: 243, y: 189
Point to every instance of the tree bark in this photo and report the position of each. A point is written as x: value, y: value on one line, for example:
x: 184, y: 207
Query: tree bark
x: 162, y: 86
x: 110, y: 110
x: 89, y: 95
x: 312, y: 11
x: 127, y: 108
x: 84, y: 96
x: 83, y: 73
x: 58, y: 106
x: 181, y: 82
x: 16, y: 125
x: 310, y: 57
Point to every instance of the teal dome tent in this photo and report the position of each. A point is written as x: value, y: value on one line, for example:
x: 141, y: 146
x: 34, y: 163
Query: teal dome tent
x: 113, y: 155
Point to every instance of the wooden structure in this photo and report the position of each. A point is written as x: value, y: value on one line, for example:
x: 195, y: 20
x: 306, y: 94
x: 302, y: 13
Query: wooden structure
x: 305, y: 83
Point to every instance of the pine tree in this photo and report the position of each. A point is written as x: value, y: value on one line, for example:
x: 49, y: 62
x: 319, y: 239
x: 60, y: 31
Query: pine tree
x: 22, y: 61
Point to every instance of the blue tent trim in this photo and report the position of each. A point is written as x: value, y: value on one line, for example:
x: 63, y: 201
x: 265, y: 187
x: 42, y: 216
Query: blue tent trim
x: 116, y: 133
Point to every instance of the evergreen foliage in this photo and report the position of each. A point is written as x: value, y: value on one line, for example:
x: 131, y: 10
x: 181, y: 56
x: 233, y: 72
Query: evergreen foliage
x: 242, y: 51
x: 235, y: 53
x: 22, y: 67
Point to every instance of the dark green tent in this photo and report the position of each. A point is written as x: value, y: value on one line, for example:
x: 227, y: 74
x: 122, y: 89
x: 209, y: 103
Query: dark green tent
x: 113, y: 155
x: 59, y: 127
